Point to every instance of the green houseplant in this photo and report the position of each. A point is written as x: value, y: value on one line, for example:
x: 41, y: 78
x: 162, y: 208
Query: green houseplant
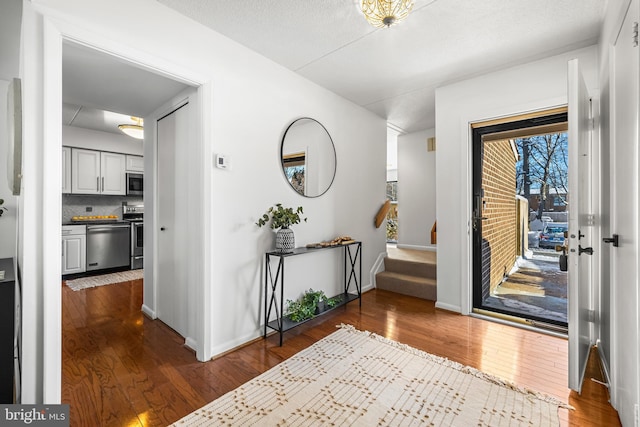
x: 282, y: 218
x: 310, y: 304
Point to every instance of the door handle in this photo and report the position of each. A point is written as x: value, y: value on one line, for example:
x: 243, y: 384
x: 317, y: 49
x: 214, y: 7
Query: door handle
x: 475, y: 220
x: 162, y: 228
x: 613, y: 239
x: 103, y: 183
x: 581, y: 250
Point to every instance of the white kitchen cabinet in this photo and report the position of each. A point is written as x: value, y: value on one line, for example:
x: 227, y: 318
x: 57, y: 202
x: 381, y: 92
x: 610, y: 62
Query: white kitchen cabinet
x: 74, y: 249
x: 66, y: 170
x: 95, y: 172
x: 112, y: 169
x: 135, y: 163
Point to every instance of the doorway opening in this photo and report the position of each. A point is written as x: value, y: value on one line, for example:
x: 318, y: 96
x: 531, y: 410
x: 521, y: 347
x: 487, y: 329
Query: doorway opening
x: 520, y: 218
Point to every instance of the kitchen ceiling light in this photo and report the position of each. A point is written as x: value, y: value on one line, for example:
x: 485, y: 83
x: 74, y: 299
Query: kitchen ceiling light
x: 133, y: 130
x: 385, y: 13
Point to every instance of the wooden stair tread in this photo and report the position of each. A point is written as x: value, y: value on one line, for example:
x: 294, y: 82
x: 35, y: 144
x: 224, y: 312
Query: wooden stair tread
x: 406, y: 277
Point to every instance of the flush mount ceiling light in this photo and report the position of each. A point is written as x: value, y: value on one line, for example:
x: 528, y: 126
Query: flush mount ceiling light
x: 133, y: 130
x: 385, y: 13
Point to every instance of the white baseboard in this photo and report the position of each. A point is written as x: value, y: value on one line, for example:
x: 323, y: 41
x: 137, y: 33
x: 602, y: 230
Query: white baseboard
x: 604, y: 365
x: 148, y: 312
x: 417, y: 248
x: 191, y: 343
x: 367, y: 288
x: 448, y: 307
x: 234, y: 344
x: 378, y: 266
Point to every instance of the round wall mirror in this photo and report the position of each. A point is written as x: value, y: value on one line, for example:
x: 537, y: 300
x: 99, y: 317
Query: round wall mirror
x: 308, y: 157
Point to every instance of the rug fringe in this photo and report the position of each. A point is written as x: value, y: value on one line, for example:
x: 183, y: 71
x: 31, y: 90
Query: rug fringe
x: 460, y: 367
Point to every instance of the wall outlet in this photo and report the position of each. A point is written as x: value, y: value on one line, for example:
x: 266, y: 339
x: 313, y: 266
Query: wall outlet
x: 88, y: 209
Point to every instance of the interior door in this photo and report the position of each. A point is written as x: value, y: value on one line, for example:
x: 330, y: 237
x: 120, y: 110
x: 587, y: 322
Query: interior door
x: 580, y: 226
x: 624, y: 221
x: 172, y: 287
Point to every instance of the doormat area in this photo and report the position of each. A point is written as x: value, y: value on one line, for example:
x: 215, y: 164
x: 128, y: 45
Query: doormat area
x: 104, y: 279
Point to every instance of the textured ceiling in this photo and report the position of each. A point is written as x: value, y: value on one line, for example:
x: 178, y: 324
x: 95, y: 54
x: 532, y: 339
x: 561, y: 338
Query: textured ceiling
x: 394, y: 71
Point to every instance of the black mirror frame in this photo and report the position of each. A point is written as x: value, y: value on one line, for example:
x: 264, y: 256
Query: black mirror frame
x: 335, y: 157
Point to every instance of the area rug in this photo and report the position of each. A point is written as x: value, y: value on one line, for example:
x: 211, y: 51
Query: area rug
x: 104, y: 279
x: 356, y: 378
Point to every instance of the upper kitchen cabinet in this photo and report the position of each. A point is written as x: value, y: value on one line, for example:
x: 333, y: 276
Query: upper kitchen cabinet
x: 95, y: 172
x: 135, y: 163
x: 66, y: 170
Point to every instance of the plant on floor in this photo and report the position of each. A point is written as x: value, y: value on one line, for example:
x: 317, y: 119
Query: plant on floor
x: 308, y: 305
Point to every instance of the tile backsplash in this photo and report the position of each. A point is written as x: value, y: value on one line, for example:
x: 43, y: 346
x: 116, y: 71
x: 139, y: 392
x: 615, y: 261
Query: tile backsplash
x: 76, y: 205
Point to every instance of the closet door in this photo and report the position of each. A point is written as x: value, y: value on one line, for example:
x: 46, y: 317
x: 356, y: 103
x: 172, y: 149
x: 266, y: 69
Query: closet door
x: 172, y: 285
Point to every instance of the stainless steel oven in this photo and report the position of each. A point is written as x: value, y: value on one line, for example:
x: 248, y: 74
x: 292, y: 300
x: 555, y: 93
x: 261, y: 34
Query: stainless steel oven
x: 135, y: 184
x: 137, y: 240
x: 135, y: 215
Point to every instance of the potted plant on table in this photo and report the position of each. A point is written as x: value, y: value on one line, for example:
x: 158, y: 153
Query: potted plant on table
x: 282, y: 218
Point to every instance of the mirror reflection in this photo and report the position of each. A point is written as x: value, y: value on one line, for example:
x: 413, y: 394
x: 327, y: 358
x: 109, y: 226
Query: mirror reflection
x: 308, y: 157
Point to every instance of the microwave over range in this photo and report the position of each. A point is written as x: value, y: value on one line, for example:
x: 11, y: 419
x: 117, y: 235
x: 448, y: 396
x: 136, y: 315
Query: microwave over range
x: 135, y: 184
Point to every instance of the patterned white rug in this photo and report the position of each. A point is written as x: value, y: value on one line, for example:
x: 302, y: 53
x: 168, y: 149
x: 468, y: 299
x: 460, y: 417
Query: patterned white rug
x: 355, y: 378
x: 104, y: 279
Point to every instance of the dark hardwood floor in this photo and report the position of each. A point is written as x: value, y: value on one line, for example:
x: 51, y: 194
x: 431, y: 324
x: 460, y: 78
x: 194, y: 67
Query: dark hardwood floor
x: 123, y: 369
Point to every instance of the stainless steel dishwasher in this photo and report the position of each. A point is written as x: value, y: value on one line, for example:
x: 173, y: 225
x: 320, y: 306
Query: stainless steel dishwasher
x: 107, y: 246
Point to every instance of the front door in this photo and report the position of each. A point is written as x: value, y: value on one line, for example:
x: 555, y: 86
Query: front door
x: 581, y: 223
x: 519, y: 174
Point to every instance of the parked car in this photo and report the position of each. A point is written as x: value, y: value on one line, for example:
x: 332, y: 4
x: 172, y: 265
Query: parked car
x: 553, y: 234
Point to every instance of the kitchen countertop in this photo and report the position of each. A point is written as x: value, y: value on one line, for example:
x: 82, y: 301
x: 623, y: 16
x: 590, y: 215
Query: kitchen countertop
x: 97, y: 222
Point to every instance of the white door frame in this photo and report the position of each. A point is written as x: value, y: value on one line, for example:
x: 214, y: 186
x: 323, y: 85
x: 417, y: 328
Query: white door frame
x: 54, y: 33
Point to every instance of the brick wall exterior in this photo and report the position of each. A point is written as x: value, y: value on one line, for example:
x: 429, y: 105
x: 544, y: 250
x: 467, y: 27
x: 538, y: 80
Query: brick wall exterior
x: 499, y: 230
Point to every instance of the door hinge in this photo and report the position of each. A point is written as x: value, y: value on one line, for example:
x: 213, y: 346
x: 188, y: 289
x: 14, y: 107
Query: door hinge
x: 635, y: 34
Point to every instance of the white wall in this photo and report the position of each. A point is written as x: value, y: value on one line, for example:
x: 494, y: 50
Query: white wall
x: 416, y: 190
x: 73, y: 136
x: 533, y: 86
x: 253, y: 102
x: 9, y: 217
x: 392, y: 154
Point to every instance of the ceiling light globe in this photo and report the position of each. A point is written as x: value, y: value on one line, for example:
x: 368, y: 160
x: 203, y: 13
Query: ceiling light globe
x: 385, y: 13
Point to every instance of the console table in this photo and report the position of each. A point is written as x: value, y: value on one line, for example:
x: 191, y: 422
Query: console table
x: 274, y: 303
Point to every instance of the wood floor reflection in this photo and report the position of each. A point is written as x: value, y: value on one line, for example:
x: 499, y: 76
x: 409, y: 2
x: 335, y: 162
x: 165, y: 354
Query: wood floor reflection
x: 123, y: 369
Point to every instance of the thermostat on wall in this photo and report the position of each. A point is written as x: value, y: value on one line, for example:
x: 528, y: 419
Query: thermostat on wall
x: 221, y: 161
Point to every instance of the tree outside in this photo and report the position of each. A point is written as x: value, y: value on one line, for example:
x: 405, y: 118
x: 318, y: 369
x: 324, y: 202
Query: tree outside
x: 543, y: 167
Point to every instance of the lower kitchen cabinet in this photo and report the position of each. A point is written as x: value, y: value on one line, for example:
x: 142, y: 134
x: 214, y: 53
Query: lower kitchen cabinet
x: 74, y: 249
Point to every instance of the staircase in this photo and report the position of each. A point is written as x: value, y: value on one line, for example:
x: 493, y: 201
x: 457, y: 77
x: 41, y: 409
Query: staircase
x: 409, y: 272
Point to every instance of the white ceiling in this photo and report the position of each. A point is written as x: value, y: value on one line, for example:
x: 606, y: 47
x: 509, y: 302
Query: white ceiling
x: 391, y: 71
x: 100, y: 91
x: 394, y: 71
